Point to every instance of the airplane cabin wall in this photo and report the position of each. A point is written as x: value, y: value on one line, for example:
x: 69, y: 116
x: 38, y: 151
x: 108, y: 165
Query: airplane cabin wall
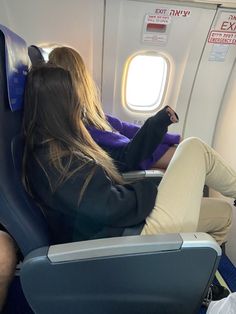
x: 211, y: 81
x: 107, y: 33
x: 199, y: 69
x: 225, y: 144
x: 77, y: 23
x: 183, y: 46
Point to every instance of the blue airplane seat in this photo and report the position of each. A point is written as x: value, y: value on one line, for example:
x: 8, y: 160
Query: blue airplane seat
x: 18, y: 214
x: 35, y: 55
x: 165, y: 273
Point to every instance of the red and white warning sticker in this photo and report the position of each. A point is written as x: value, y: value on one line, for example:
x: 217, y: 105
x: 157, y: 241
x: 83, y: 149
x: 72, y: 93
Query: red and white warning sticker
x: 221, y: 37
x: 157, y: 19
x: 224, y: 32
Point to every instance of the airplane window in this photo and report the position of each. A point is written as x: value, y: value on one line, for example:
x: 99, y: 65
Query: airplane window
x: 145, y: 82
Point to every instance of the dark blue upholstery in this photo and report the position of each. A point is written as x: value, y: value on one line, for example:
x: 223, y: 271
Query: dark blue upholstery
x: 16, y: 66
x: 21, y: 218
x: 35, y: 55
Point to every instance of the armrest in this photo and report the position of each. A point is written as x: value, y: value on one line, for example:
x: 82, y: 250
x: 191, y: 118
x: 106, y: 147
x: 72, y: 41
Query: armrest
x: 142, y: 174
x: 129, y: 245
x: 128, y: 275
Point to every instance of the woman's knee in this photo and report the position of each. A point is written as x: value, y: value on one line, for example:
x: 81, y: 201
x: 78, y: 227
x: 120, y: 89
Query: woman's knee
x: 193, y: 146
x: 192, y: 141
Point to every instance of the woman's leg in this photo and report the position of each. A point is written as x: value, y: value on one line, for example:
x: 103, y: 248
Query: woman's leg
x: 164, y: 161
x: 8, y: 262
x: 178, y: 201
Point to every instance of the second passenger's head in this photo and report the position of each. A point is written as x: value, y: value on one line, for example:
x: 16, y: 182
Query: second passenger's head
x: 69, y: 59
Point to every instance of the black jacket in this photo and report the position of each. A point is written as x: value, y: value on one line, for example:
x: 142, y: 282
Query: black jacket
x: 105, y: 210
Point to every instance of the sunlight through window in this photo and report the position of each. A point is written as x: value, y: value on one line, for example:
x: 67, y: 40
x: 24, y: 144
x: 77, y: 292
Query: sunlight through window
x: 46, y: 52
x: 46, y: 48
x: 145, y: 82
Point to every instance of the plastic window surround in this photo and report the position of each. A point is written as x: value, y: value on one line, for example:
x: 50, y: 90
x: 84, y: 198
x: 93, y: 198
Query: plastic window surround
x: 145, y: 80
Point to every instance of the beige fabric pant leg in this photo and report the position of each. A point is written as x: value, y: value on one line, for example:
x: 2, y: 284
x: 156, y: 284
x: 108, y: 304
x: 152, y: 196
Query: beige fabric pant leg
x: 215, y: 218
x: 178, y: 202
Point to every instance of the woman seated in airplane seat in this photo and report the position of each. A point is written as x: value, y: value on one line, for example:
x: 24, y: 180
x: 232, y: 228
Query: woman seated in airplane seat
x: 8, y: 261
x: 118, y: 138
x: 83, y: 194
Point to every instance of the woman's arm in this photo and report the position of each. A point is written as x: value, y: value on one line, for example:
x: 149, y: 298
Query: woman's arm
x: 108, y: 204
x: 144, y: 142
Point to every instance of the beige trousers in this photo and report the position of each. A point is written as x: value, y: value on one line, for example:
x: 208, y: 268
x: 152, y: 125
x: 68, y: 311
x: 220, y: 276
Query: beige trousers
x: 179, y: 205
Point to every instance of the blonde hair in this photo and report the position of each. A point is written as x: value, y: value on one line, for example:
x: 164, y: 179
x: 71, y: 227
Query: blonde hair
x: 69, y: 59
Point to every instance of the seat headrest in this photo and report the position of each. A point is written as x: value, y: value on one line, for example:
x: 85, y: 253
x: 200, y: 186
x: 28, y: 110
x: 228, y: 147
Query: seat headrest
x: 16, y: 65
x: 35, y: 55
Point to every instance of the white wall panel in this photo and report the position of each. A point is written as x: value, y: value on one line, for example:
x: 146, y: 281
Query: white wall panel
x: 183, y: 47
x: 210, y: 84
x: 78, y: 23
x: 225, y: 144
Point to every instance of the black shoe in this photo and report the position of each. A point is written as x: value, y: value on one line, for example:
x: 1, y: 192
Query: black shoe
x: 218, y: 292
x: 215, y: 292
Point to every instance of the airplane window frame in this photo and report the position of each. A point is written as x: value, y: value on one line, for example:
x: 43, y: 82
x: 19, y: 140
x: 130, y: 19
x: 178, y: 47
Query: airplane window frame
x: 161, y: 90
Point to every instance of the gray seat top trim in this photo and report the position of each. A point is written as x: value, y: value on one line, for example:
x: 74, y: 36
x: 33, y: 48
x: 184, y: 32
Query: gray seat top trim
x: 129, y: 245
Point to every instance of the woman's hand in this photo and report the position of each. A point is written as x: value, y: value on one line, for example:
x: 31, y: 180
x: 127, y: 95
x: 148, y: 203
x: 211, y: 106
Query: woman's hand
x: 172, y: 114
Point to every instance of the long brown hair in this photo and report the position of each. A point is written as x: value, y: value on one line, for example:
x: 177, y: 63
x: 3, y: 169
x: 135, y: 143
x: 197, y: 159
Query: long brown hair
x: 53, y: 119
x: 89, y: 95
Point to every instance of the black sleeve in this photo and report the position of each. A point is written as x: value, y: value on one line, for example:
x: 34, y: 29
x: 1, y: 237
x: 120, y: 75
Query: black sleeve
x: 144, y: 142
x: 107, y: 204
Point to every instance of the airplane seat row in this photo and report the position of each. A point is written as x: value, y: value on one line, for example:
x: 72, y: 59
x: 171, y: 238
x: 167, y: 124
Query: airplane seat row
x: 166, y: 273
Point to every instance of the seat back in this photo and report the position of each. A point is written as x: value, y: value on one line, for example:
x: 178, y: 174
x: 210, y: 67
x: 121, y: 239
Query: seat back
x: 35, y: 55
x: 21, y: 218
